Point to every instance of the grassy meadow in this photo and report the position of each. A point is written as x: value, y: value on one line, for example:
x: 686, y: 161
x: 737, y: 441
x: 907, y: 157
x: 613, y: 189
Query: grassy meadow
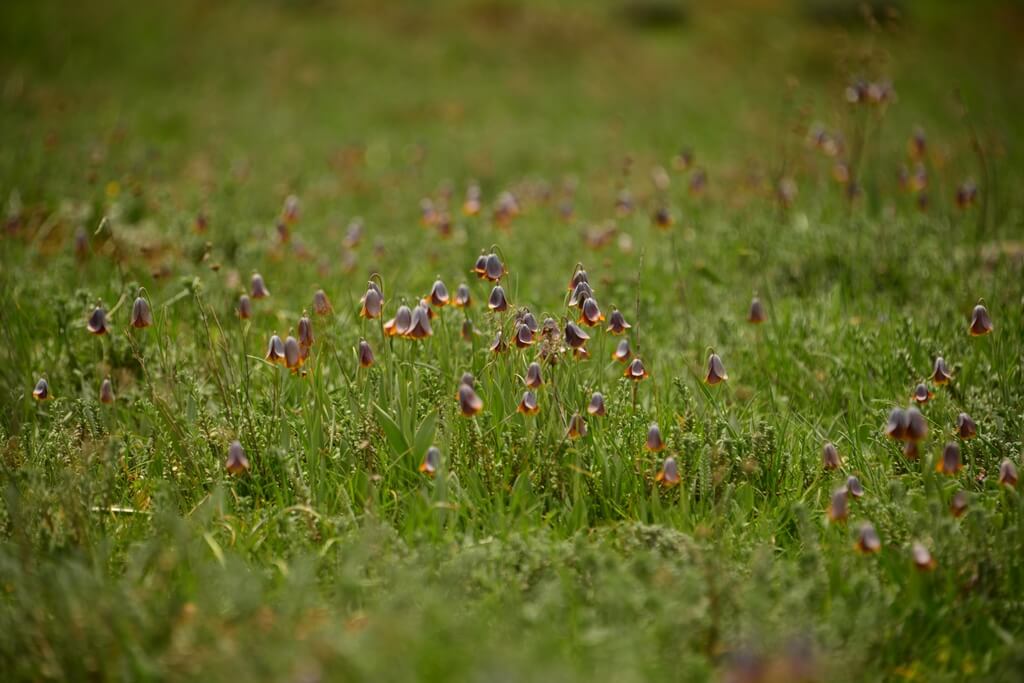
x: 793, y: 498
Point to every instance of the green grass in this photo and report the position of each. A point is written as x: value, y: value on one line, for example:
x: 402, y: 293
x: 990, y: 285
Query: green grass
x: 127, y: 551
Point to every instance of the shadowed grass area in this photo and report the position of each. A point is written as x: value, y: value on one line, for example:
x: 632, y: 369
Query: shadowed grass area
x: 148, y: 150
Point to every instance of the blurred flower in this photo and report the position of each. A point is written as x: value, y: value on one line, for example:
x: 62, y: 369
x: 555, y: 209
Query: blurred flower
x: 258, y: 288
x: 244, y: 307
x: 321, y: 304
x: 654, y: 442
x: 431, y: 461
x: 236, y: 463
x: 365, y: 354
x: 1007, y: 473
x: 463, y: 299
x: 757, y: 314
x: 669, y: 474
x: 469, y: 403
x: 577, y: 427
x: 42, y: 390
x: 868, y: 541
x: 965, y: 427
x: 106, y: 392
x: 838, y: 509
x: 830, y: 456
x: 854, y: 487
x: 950, y: 462
x: 959, y: 503
x: 923, y: 559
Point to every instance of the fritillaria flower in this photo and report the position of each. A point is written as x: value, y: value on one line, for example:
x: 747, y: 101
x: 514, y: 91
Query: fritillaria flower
x: 372, y: 303
x: 981, y: 323
x: 354, y: 233
x: 428, y: 214
x: 716, y: 370
x: 528, y: 405
x: 290, y: 212
x: 965, y: 427
x: 917, y: 426
x: 305, y: 331
x: 1007, y: 473
x: 463, y: 299
x: 533, y: 376
x: 292, y: 354
x: 959, y: 503
x: 635, y: 370
x: 654, y: 441
x: 839, y: 508
x: 830, y: 456
x: 236, y: 463
x: 940, y: 372
x: 493, y: 268
x: 966, y: 194
x: 757, y: 314
x: 596, y: 405
x: 854, y: 487
x: 321, y: 304
x: 97, y: 323
x: 469, y: 403
x: 590, y: 313
x: 917, y: 145
x: 950, y: 462
x: 400, y: 325
x: 141, y: 315
x: 617, y: 322
x: 577, y: 427
x: 683, y: 160
x: 275, y: 350
x: 107, y: 392
x: 921, y: 394
x: 911, y: 451
x: 471, y: 207
x: 624, y: 203
x: 419, y: 326
x: 439, y: 294
x: 499, y: 345
x: 923, y: 559
x: 258, y: 288
x: 698, y: 182
x: 365, y: 354
x: 622, y: 351
x: 868, y: 541
x: 523, y: 336
x: 580, y: 293
x: 497, y: 301
x: 669, y: 474
x: 467, y: 330
x: 579, y: 275
x: 467, y: 379
x: 662, y: 217
x: 575, y: 337
x: 896, y: 426
x: 529, y: 320
x: 480, y: 267
x: 42, y: 390
x: 431, y: 461
x: 244, y: 307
